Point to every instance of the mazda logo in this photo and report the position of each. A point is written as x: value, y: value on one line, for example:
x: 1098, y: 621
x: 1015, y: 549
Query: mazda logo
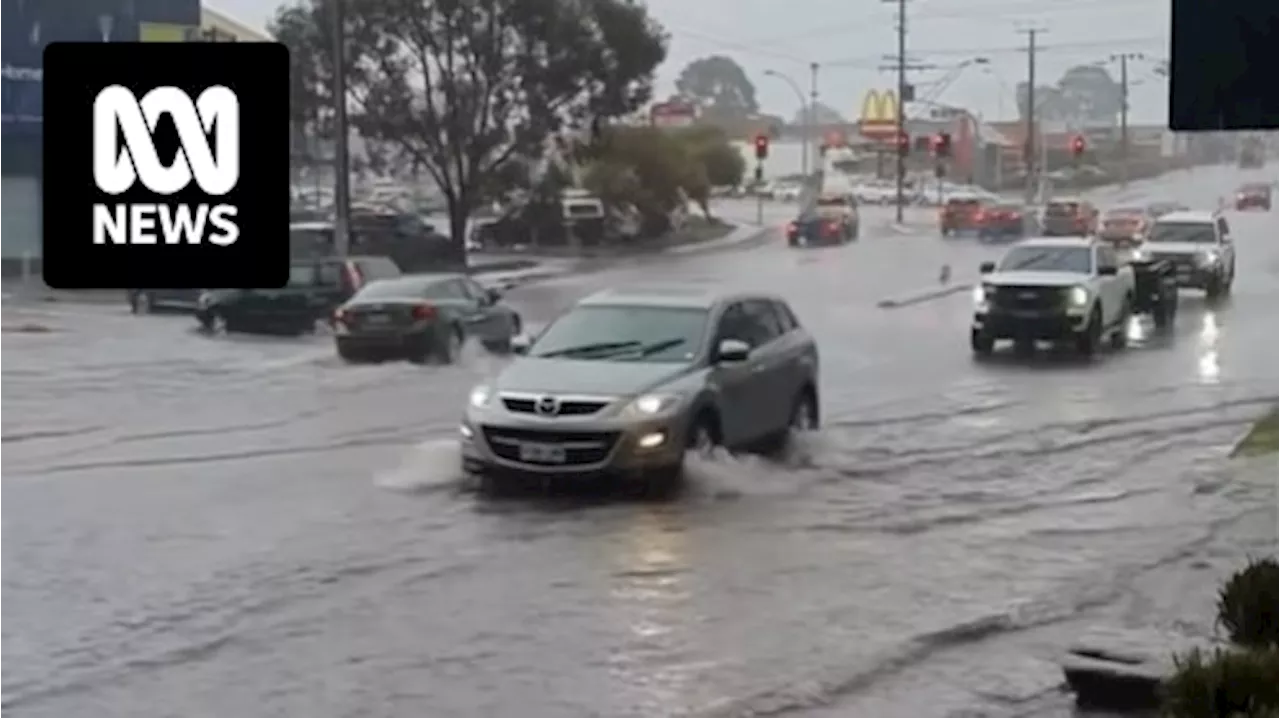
x: 547, y: 405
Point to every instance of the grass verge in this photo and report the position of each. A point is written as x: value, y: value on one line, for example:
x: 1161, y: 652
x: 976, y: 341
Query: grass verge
x: 1262, y: 439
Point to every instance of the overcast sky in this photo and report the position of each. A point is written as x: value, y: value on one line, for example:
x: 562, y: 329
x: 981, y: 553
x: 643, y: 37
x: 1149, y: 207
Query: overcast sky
x: 848, y: 38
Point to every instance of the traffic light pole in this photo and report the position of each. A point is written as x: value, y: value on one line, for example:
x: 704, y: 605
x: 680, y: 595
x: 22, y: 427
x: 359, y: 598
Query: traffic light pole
x: 759, y: 195
x: 901, y: 174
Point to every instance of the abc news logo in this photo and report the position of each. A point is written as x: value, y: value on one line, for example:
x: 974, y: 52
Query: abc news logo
x: 208, y: 129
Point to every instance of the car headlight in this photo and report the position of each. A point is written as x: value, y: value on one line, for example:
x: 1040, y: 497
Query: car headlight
x: 652, y: 404
x: 204, y: 300
x: 981, y: 294
x: 480, y: 396
x: 1140, y: 254
x: 1208, y: 258
x: 1078, y: 296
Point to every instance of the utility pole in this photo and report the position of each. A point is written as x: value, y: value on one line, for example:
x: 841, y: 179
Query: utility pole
x: 1029, y: 146
x: 812, y: 116
x: 901, y: 174
x: 1124, y: 59
x: 341, y: 154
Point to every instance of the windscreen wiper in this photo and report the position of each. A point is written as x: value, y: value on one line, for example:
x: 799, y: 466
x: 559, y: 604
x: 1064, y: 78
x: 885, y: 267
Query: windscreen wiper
x: 590, y: 348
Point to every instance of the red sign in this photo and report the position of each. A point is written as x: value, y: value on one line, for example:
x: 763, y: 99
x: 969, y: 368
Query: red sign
x: 673, y: 114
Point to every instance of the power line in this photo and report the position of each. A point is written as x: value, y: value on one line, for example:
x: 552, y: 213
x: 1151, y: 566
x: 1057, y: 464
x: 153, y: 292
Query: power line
x: 983, y: 12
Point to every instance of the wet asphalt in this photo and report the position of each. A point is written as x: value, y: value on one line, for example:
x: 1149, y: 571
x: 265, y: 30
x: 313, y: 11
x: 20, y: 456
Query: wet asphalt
x: 212, y: 527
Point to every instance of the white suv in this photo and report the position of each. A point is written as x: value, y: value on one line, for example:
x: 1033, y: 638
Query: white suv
x: 1198, y: 246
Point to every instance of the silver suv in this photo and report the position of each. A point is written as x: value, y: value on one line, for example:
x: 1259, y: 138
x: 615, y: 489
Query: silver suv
x: 627, y: 381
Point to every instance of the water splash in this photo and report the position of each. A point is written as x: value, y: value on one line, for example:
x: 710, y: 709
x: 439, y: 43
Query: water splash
x: 430, y: 465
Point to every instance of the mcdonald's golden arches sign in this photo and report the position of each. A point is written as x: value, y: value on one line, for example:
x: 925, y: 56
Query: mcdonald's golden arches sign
x: 879, y: 117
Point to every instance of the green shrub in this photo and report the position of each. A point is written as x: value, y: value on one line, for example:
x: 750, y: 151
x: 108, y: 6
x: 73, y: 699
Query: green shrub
x: 1229, y: 683
x: 1247, y: 604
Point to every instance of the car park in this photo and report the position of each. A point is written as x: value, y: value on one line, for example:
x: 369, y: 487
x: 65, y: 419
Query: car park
x: 1199, y: 247
x: 315, y: 287
x: 626, y: 381
x: 1064, y: 290
x: 420, y: 317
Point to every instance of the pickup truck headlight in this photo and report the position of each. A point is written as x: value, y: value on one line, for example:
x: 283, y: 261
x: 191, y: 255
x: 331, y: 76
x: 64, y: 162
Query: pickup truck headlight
x: 1078, y: 296
x: 981, y: 295
x: 204, y: 300
x: 1208, y: 258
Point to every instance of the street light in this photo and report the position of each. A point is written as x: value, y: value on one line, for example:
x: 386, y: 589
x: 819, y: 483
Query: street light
x: 805, y: 115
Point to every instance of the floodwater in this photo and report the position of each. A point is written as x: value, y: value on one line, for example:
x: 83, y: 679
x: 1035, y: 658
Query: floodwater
x: 211, y: 527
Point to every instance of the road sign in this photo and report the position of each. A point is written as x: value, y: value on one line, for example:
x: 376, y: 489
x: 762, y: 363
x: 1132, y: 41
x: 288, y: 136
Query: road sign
x: 879, y: 118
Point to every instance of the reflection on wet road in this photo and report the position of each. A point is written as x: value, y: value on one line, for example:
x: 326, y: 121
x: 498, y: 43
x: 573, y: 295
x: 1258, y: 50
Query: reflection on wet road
x: 246, y: 527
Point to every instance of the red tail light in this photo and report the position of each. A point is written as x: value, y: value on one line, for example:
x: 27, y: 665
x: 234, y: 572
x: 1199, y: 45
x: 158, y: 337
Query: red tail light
x: 980, y: 215
x: 792, y: 228
x: 340, y: 316
x: 423, y: 312
x: 354, y: 277
x: 831, y: 227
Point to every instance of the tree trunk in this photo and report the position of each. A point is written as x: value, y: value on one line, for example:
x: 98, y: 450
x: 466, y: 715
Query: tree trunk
x: 458, y: 229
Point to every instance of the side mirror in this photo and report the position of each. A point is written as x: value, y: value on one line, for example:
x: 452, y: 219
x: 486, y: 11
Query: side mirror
x: 520, y: 344
x: 987, y: 267
x: 1107, y: 271
x: 732, y: 350
x: 493, y: 296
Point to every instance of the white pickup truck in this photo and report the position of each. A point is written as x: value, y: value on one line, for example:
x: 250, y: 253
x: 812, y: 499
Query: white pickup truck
x: 1073, y: 290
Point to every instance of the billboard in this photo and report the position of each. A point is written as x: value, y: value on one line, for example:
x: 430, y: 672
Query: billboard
x: 31, y: 24
x: 879, y: 117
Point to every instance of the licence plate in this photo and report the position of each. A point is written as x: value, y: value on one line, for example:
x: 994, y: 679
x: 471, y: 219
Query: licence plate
x: 542, y: 453
x: 377, y: 319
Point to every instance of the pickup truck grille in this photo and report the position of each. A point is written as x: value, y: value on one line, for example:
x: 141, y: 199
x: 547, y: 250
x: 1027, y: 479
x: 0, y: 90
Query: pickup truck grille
x: 1178, y: 261
x: 1028, y: 298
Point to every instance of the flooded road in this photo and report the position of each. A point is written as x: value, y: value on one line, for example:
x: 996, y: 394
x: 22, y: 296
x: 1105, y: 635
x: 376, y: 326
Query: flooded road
x: 211, y: 527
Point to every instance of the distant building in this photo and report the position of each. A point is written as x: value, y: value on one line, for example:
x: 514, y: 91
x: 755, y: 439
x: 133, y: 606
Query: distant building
x: 217, y: 27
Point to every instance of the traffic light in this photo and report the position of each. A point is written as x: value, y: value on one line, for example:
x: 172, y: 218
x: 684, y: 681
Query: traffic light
x: 942, y: 145
x: 1077, y: 145
x: 762, y: 147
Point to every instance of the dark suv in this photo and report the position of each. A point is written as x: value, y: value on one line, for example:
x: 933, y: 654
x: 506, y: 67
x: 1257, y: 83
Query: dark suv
x: 316, y: 286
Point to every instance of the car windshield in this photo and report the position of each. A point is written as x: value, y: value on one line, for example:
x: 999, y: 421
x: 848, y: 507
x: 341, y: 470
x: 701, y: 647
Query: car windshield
x: 832, y: 202
x: 392, y: 288
x: 624, y: 333
x: 302, y: 275
x: 1197, y: 232
x: 1006, y: 208
x: 1048, y: 259
x: 1061, y: 209
x: 1125, y: 213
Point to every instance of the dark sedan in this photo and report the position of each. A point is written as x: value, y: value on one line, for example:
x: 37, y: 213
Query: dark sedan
x: 819, y: 228
x: 421, y: 317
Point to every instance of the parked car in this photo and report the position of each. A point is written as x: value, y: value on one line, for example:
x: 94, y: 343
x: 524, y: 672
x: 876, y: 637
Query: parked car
x: 1256, y: 195
x: 422, y: 316
x: 316, y: 286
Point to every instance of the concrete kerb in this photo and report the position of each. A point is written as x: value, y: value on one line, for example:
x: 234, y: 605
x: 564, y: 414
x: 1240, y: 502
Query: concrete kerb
x: 923, y: 296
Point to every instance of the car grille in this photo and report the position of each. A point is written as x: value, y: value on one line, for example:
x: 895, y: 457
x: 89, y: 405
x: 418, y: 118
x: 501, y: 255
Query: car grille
x: 1028, y: 298
x: 575, y: 407
x: 581, y: 447
x: 1178, y: 261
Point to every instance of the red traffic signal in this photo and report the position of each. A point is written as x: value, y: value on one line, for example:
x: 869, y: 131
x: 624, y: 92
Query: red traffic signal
x: 762, y: 146
x: 942, y: 144
x: 1077, y: 145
